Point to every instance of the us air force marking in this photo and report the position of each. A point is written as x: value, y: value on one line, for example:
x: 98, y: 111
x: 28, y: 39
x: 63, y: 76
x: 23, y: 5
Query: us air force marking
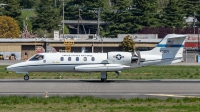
x: 118, y: 56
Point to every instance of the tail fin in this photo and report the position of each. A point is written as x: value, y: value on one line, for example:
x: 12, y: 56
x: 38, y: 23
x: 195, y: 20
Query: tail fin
x: 171, y: 47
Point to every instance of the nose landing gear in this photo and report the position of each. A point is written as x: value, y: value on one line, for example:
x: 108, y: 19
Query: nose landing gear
x: 26, y: 77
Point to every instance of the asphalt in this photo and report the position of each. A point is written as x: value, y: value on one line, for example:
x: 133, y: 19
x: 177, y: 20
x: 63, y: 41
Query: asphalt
x: 117, y: 89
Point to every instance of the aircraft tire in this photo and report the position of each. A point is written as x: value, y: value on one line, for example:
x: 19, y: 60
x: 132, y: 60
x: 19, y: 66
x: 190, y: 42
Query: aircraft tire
x: 26, y: 77
x: 103, y: 79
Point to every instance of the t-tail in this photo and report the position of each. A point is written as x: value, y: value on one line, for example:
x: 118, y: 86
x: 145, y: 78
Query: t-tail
x: 168, y: 51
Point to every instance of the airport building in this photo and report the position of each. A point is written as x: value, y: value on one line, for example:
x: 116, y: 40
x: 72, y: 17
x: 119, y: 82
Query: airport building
x: 23, y: 48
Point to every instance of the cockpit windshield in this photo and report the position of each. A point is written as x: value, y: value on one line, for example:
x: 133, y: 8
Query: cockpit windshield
x: 36, y: 57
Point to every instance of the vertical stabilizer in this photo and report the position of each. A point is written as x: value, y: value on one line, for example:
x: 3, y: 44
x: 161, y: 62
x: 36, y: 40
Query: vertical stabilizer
x: 170, y: 48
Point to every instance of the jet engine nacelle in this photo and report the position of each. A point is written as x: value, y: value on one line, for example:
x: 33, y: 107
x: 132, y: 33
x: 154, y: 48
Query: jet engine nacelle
x: 119, y: 57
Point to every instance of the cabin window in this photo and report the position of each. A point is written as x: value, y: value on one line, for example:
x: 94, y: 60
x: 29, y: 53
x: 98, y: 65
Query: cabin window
x: 36, y: 57
x: 85, y: 59
x: 69, y: 58
x: 93, y: 59
x: 77, y: 58
x: 61, y: 58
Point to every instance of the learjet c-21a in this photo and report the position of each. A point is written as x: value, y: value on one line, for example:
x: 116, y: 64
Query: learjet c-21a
x: 168, y: 51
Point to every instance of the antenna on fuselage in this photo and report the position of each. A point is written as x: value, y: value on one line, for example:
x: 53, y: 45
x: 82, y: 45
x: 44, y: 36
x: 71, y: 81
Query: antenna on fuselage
x: 139, y: 57
x: 136, y: 57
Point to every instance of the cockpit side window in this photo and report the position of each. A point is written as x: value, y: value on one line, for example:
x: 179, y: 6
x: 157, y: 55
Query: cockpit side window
x: 61, y: 58
x: 36, y: 58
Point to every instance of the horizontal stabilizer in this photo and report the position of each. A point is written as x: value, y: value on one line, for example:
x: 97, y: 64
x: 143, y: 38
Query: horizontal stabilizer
x: 176, y: 36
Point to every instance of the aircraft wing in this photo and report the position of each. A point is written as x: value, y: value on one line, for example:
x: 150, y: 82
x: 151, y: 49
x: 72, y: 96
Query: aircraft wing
x: 100, y: 67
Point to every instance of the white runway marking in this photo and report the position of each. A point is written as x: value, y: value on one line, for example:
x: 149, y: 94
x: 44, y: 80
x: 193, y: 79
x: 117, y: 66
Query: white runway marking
x: 175, y: 95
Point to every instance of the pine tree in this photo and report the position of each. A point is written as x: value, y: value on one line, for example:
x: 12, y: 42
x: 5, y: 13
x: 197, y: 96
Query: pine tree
x: 162, y: 4
x: 190, y: 6
x: 145, y: 14
x: 120, y: 18
x: 88, y: 11
x: 48, y: 17
x: 131, y: 16
x: 173, y: 15
x: 27, y: 4
x: 12, y: 9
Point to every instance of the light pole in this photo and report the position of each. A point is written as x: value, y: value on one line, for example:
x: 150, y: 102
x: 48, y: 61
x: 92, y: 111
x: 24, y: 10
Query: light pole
x: 102, y: 45
x: 194, y: 22
x: 79, y: 14
x: 98, y: 23
x: 63, y: 18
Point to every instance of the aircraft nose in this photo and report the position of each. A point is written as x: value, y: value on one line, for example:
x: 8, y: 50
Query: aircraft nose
x: 8, y: 68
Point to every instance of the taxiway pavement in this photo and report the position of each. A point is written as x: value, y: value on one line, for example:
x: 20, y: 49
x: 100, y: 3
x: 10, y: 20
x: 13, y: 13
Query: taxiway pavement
x: 127, y: 89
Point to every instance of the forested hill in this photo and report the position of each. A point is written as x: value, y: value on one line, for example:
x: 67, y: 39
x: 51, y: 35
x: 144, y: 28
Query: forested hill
x: 124, y: 16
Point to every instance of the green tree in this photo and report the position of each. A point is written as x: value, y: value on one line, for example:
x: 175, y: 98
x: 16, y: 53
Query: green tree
x: 145, y: 14
x: 162, y: 4
x: 8, y: 27
x: 197, y: 17
x: 173, y: 15
x: 27, y: 4
x: 190, y: 6
x: 88, y: 11
x: 128, y: 44
x: 12, y: 9
x: 130, y: 16
x: 1, y: 11
x: 120, y: 18
x: 47, y: 18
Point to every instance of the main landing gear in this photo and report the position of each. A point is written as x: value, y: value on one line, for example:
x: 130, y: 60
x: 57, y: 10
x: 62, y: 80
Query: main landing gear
x: 26, y: 77
x: 103, y: 76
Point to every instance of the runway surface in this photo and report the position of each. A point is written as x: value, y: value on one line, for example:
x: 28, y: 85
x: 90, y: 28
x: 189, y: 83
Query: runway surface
x: 127, y: 89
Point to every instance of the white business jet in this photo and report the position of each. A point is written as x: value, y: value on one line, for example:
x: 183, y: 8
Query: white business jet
x: 168, y: 51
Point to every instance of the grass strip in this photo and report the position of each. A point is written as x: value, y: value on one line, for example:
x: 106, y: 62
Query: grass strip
x: 89, y: 103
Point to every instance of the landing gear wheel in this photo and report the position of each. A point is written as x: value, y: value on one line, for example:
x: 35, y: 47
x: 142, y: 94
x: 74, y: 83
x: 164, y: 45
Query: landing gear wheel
x: 103, y: 76
x: 103, y: 79
x: 26, y: 77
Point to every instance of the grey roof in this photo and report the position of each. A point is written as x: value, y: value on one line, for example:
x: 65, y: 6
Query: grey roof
x: 76, y: 40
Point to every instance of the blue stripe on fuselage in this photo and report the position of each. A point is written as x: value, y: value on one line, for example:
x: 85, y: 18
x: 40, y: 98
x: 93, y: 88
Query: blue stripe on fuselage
x: 172, y: 45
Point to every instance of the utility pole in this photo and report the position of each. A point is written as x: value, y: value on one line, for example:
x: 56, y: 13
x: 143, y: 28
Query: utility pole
x: 109, y: 3
x: 98, y: 23
x: 78, y: 20
x: 194, y: 22
x: 63, y: 18
x: 55, y: 4
x: 98, y: 29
